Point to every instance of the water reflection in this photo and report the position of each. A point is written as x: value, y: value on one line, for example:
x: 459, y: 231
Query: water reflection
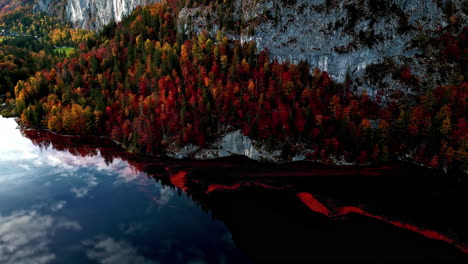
x: 25, y: 236
x: 19, y: 155
x: 64, y: 201
x: 105, y: 205
x: 108, y: 250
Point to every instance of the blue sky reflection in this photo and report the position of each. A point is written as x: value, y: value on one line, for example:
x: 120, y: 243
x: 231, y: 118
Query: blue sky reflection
x: 56, y: 207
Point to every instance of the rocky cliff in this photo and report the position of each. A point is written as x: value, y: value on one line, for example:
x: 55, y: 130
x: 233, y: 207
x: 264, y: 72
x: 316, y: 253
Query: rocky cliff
x: 380, y: 45
x: 342, y: 37
x: 90, y: 14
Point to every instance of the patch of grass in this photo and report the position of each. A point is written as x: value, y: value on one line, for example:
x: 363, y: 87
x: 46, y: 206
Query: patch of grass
x: 7, y: 110
x: 7, y: 113
x: 2, y: 38
x: 67, y: 50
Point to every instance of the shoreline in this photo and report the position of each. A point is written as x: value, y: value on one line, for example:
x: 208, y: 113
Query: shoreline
x: 256, y: 169
x: 280, y: 169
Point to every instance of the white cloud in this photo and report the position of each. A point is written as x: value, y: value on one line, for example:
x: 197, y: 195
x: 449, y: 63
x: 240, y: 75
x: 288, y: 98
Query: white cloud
x: 25, y: 237
x: 109, y: 251
x: 125, y: 173
x: 25, y: 166
x: 166, y: 195
x: 90, y: 182
x: 19, y: 156
x: 14, y: 147
x: 133, y: 228
x: 80, y: 192
x: 57, y: 206
x: 70, y: 225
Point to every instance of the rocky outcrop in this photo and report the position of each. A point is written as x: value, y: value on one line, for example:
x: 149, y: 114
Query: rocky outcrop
x: 340, y: 37
x: 235, y: 143
x: 89, y: 14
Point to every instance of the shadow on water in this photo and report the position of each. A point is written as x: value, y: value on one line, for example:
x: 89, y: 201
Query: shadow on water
x: 306, y: 212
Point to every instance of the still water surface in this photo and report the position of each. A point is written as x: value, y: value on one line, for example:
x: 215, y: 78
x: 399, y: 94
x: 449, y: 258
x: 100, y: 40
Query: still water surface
x: 85, y: 200
x: 56, y: 207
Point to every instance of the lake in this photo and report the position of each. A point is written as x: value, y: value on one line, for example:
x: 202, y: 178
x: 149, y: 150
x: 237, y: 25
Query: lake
x: 56, y: 207
x: 85, y: 200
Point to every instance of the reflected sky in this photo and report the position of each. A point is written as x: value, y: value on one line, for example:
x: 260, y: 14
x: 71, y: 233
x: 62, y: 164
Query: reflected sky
x: 56, y: 207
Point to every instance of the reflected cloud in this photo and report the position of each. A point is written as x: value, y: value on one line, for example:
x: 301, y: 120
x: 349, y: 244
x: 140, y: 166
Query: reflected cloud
x: 165, y: 196
x: 107, y: 250
x: 69, y: 225
x: 19, y: 156
x: 14, y: 146
x: 57, y: 206
x: 133, y: 228
x: 50, y: 206
x: 25, y: 237
x: 80, y: 192
x: 24, y: 166
x: 22, y: 153
x: 125, y: 172
x: 90, y: 183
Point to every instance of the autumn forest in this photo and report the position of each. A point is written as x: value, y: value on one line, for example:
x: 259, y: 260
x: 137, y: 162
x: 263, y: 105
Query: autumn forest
x: 146, y: 84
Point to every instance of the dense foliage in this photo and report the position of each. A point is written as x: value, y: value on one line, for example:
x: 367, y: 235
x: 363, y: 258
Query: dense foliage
x: 8, y: 6
x: 146, y: 85
x: 29, y: 43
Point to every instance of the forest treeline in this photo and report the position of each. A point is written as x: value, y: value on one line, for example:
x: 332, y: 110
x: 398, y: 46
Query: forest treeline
x: 145, y: 84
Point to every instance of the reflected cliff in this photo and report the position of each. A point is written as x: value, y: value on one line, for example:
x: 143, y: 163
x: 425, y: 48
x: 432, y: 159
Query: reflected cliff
x: 271, y: 213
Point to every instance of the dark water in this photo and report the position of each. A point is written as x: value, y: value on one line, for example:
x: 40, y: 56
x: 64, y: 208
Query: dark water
x: 84, y: 200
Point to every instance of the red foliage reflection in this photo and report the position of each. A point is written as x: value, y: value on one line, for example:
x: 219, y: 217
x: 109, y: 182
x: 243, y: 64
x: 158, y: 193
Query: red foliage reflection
x: 184, y: 174
x: 315, y: 205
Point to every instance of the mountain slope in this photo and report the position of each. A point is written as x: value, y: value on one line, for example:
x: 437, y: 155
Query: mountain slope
x: 7, y: 6
x: 348, y: 39
x: 158, y: 90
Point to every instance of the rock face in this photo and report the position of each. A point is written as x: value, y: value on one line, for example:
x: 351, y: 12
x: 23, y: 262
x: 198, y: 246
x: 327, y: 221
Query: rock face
x: 338, y: 36
x: 235, y: 143
x: 342, y: 37
x: 90, y: 14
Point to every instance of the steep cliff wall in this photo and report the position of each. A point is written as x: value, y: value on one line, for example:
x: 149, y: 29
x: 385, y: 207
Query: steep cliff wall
x: 342, y: 37
x: 90, y: 14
